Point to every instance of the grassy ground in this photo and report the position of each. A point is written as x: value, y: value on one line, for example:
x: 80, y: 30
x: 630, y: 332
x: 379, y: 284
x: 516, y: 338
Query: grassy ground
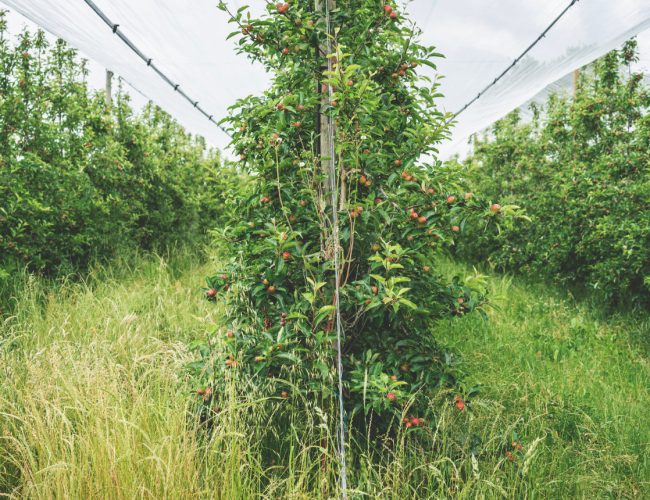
x: 93, y: 403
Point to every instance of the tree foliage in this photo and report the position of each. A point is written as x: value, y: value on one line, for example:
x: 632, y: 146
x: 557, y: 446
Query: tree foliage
x: 580, y: 170
x: 80, y: 180
x: 396, y: 212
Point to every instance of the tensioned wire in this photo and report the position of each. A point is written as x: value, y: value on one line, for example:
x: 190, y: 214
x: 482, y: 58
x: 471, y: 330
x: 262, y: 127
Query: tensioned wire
x: 115, y: 28
x: 514, y: 63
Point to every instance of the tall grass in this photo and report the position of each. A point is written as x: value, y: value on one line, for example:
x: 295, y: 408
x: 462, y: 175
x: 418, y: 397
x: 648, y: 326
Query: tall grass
x: 94, y: 403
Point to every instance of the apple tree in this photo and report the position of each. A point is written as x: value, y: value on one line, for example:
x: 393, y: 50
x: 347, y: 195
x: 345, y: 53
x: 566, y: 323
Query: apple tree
x: 397, y: 208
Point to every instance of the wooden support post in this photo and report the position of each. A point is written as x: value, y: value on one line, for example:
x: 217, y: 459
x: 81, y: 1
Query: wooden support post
x: 576, y: 77
x: 109, y: 88
x: 326, y: 161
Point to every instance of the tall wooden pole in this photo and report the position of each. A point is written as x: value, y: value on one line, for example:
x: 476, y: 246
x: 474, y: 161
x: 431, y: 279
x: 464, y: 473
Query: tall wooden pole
x: 109, y: 88
x: 328, y: 167
x: 325, y: 128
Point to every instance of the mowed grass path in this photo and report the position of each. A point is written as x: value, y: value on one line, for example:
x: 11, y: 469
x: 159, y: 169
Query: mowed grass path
x: 94, y: 404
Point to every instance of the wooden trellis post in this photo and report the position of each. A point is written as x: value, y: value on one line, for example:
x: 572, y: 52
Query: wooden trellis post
x: 109, y: 88
x: 321, y: 6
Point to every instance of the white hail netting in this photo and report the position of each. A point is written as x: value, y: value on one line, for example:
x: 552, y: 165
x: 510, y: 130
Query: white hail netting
x: 480, y: 38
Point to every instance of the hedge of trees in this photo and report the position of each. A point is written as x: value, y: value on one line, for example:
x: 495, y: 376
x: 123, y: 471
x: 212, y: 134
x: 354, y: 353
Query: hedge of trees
x: 81, y: 180
x: 581, y: 171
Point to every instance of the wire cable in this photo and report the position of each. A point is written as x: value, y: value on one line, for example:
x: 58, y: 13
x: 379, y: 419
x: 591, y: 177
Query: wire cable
x: 514, y: 63
x: 115, y: 28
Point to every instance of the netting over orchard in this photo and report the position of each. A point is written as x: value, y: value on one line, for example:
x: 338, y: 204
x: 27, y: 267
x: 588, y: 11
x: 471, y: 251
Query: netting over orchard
x: 186, y: 39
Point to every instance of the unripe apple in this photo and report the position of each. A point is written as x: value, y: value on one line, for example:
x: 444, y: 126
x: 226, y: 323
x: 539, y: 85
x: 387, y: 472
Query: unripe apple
x: 422, y: 219
x: 469, y: 196
x: 451, y: 199
x: 495, y: 208
x: 211, y: 293
x: 455, y: 229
